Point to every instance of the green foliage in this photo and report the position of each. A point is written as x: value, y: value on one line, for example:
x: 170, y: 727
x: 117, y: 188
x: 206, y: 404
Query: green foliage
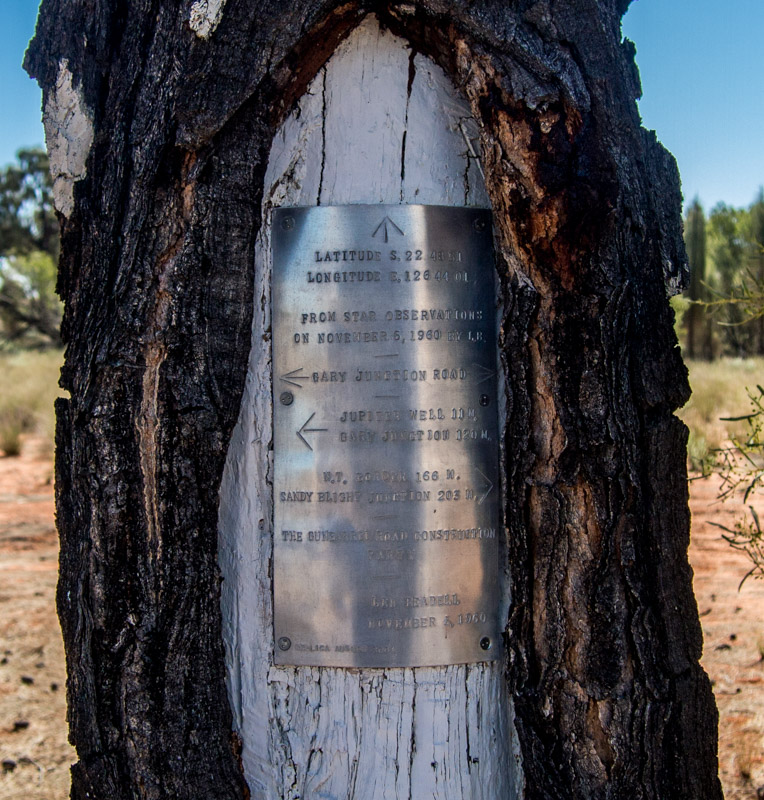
x: 726, y: 234
x: 30, y: 312
x: 742, y: 469
x: 727, y: 246
x: 27, y: 219
x: 730, y: 298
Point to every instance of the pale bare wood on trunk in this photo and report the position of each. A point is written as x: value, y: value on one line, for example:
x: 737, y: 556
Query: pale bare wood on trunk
x: 376, y: 734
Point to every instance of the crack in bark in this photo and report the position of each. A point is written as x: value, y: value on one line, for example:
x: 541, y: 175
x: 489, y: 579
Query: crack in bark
x: 409, y: 86
x: 148, y: 426
x: 148, y: 419
x: 323, y: 137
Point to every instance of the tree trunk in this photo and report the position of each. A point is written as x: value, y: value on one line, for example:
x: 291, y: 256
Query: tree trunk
x: 161, y: 118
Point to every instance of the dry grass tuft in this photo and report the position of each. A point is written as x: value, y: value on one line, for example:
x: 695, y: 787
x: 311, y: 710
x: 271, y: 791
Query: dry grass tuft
x: 28, y: 387
x: 719, y: 390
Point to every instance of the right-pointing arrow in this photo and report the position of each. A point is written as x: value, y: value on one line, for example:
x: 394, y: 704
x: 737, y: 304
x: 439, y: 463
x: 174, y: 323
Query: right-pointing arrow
x: 490, y: 486
x: 484, y: 373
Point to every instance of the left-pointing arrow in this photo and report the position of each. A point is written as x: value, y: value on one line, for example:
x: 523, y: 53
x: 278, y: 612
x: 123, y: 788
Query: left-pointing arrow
x: 309, y: 430
x: 291, y: 377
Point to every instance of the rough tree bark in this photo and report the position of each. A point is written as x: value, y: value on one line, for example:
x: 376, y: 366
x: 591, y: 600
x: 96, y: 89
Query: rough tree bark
x: 160, y: 118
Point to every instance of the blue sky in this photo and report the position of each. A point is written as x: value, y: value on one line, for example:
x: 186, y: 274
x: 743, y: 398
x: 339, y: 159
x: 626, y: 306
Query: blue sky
x: 703, y: 91
x: 20, y: 124
x: 702, y: 81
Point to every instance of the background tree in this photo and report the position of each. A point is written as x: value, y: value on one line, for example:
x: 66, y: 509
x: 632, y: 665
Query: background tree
x: 699, y: 342
x: 756, y: 261
x: 727, y: 251
x: 30, y: 312
x: 27, y: 218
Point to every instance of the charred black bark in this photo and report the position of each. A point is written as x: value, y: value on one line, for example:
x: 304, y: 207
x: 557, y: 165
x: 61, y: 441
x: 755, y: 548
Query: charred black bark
x: 157, y: 272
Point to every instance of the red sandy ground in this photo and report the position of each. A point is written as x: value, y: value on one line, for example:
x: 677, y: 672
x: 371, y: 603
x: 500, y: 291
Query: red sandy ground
x: 33, y: 734
x: 34, y: 752
x: 733, y: 632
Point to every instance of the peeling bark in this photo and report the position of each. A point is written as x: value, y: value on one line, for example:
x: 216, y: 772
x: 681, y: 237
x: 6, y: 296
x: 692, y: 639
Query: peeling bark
x: 157, y: 274
x: 69, y: 136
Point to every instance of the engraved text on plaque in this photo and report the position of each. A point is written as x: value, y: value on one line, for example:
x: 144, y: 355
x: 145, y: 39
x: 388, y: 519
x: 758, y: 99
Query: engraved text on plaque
x: 386, y: 508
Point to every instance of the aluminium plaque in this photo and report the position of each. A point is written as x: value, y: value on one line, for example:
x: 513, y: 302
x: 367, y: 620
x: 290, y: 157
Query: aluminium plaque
x: 386, y: 512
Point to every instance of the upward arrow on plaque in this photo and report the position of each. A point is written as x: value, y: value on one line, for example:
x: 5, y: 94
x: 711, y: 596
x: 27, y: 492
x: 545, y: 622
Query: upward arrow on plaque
x: 385, y: 225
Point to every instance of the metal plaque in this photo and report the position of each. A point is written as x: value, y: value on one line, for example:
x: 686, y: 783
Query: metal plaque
x: 386, y: 513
